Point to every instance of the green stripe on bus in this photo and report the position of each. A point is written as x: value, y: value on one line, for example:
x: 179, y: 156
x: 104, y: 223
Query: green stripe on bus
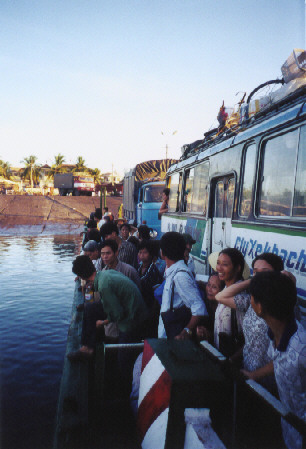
x: 177, y: 217
x: 296, y: 233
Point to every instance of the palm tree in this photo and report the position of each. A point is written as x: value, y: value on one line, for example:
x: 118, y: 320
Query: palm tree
x: 1, y: 170
x: 57, y: 167
x: 96, y: 175
x: 31, y: 170
x: 5, y: 169
x: 80, y: 165
x: 59, y: 159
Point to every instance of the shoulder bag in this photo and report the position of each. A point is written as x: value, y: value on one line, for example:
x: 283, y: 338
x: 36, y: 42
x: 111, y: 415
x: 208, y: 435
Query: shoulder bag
x: 175, y: 319
x: 229, y: 344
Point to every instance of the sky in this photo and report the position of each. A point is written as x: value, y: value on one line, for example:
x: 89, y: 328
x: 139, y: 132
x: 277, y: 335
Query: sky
x: 102, y: 79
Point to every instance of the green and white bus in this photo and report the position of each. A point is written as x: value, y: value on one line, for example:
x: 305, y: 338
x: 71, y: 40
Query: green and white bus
x: 246, y: 188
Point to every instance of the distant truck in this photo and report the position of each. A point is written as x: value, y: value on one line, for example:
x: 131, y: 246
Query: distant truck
x: 142, y: 193
x: 76, y: 184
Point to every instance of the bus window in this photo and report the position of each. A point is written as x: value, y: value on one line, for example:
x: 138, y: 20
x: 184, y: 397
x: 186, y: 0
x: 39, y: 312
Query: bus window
x: 200, y: 189
x: 219, y: 199
x: 224, y: 198
x: 299, y: 202
x: 196, y: 189
x: 246, y: 194
x: 229, y: 202
x: 189, y: 177
x: 175, y: 184
x: 277, y: 181
x: 222, y: 212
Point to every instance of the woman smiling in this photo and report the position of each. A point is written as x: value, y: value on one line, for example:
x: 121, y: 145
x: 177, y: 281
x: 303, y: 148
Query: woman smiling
x: 231, y: 268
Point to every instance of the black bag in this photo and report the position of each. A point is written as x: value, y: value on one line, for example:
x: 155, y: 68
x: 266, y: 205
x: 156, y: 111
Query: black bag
x: 229, y: 344
x: 175, y: 319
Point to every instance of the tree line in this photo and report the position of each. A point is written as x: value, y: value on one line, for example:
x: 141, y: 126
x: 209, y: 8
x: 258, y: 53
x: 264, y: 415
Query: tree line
x: 32, y: 170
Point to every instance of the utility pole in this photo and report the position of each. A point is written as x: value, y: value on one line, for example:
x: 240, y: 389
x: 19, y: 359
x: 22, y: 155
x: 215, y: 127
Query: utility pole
x: 174, y: 132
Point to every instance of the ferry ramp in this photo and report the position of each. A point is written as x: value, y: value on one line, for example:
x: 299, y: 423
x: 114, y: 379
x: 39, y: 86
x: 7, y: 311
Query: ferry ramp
x: 21, y: 214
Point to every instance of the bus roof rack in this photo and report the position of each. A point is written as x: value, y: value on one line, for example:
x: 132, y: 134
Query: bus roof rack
x: 217, y: 135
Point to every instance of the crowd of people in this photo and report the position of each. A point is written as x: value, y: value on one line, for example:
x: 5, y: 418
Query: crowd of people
x: 147, y: 289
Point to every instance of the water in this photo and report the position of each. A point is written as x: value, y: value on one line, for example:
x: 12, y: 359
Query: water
x: 37, y: 287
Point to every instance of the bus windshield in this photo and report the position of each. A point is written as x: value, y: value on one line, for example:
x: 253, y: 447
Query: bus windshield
x: 153, y: 194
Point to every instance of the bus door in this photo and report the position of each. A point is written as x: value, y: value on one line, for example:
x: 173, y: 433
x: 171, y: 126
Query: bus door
x: 223, y: 200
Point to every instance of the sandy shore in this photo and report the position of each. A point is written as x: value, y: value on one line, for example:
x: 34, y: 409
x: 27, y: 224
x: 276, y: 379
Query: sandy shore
x: 36, y: 215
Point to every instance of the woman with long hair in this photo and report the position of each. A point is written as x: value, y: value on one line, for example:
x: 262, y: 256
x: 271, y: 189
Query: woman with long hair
x: 230, y: 266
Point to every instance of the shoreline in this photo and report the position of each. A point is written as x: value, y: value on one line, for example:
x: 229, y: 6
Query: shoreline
x: 46, y: 215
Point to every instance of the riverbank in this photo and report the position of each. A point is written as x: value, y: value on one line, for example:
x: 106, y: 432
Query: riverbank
x: 37, y: 215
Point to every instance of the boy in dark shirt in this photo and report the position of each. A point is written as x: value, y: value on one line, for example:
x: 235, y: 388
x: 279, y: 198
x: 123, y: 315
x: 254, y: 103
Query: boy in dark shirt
x: 273, y: 298
x: 150, y: 276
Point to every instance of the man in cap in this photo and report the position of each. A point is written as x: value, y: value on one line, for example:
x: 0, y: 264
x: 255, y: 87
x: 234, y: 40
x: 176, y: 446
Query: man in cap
x: 92, y: 250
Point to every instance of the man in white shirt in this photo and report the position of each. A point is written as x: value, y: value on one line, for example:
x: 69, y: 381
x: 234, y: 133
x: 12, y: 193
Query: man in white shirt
x: 180, y: 281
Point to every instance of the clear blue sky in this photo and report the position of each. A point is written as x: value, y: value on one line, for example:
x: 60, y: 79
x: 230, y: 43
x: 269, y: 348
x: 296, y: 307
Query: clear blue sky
x: 102, y: 79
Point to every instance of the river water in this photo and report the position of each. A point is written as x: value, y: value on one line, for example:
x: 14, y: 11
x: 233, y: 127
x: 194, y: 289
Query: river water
x: 37, y: 287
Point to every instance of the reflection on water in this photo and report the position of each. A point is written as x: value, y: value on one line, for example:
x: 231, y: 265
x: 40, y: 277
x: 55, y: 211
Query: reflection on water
x: 35, y: 306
